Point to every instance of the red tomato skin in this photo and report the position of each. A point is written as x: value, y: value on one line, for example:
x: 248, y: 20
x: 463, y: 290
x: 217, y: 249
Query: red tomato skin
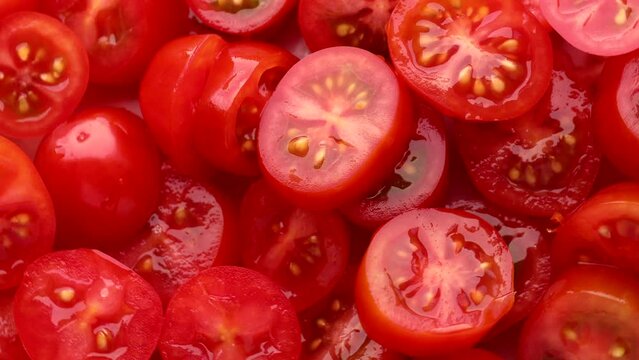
x: 10, y: 6
x: 93, y: 209
x: 10, y: 345
x: 169, y: 93
x: 22, y: 192
x: 134, y: 307
x: 472, y: 354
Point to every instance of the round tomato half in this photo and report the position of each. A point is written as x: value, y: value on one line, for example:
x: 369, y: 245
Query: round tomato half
x: 44, y: 71
x: 433, y: 282
x: 473, y: 59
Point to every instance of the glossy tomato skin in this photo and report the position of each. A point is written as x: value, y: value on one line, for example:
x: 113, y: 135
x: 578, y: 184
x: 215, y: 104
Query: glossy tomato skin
x: 330, y: 134
x: 472, y: 354
x: 228, y: 113
x: 169, y: 92
x: 10, y: 345
x: 493, y: 64
x: 44, y: 73
x: 121, y: 36
x: 240, y: 314
x: 80, y: 303
x: 27, y: 219
x: 103, y: 173
x: 10, y: 6
x: 589, y: 313
x: 410, y: 294
x: 615, y: 114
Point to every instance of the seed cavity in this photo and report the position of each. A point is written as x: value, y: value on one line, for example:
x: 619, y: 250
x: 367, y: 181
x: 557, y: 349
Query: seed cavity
x: 465, y: 75
x: 23, y: 50
x: 604, y: 231
x: 497, y: 84
x: 479, y: 88
x: 569, y: 334
x: 510, y: 45
x: 622, y: 16
x: 295, y: 269
x: 345, y: 29
x: 299, y: 146
x: 66, y: 294
x: 103, y: 340
x: 320, y: 157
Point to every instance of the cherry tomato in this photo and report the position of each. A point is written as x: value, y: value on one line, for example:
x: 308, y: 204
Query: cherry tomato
x: 360, y: 23
x: 598, y: 27
x: 10, y: 6
x: 27, y: 219
x: 589, y: 313
x: 103, y: 173
x: 80, y: 304
x: 304, y: 252
x: 474, y: 59
x: 10, y: 345
x: 120, y: 36
x: 336, y: 125
x: 226, y: 120
x: 240, y: 314
x: 193, y: 228
x: 583, y: 68
x: 534, y: 8
x: 433, y: 282
x: 474, y: 354
x: 43, y: 74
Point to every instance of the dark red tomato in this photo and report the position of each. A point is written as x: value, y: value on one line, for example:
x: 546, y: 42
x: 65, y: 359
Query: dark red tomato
x: 227, y: 116
x: 419, y: 179
x: 27, y: 219
x: 541, y: 163
x: 434, y: 281
x: 193, y: 228
x: 125, y: 98
x: 599, y: 27
x: 103, y: 173
x: 304, y: 252
x: 10, y: 6
x: 240, y: 315
x: 241, y: 17
x: 475, y: 59
x: 120, y: 36
x: 473, y: 354
x: 590, y: 313
x: 10, y: 345
x: 290, y: 38
x: 604, y: 230
x: 44, y: 72
x: 360, y: 23
x: 582, y: 67
x: 616, y: 116
x: 334, y: 128
x: 169, y: 94
x: 81, y: 304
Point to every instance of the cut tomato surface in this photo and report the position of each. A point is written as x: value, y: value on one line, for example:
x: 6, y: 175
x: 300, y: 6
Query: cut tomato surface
x: 81, y: 304
x: 44, y: 71
x: 240, y: 315
x: 334, y: 128
x: 473, y: 59
x: 434, y: 281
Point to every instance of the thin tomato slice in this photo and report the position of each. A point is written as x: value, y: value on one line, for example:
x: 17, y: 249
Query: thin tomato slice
x: 473, y: 59
x: 434, y: 281
x: 44, y: 71
x: 334, y: 128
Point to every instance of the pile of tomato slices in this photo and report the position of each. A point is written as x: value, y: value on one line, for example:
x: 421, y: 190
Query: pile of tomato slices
x: 319, y: 180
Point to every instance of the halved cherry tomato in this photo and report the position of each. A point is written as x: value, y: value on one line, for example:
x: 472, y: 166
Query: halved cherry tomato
x: 241, y: 17
x: 27, y: 219
x: 583, y: 68
x: 304, y: 252
x: 473, y: 59
x: 193, y: 228
x: 44, y: 72
x: 589, y: 313
x: 541, y: 163
x: 334, y: 128
x: 433, y: 282
x: 10, y: 6
x: 120, y: 36
x: 80, y: 304
x: 10, y: 345
x: 599, y: 27
x: 103, y: 173
x: 228, y: 113
x: 419, y: 179
x: 231, y: 313
x: 360, y: 23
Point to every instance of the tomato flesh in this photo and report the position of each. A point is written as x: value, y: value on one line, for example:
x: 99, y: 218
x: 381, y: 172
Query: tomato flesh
x: 10, y: 345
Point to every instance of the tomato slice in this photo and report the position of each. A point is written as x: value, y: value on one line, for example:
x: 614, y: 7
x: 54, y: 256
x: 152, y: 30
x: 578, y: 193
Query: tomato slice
x: 360, y: 23
x: 302, y: 251
x: 334, y: 128
x: 240, y: 314
x: 598, y: 27
x: 541, y: 163
x: 81, y: 303
x: 120, y: 36
x: 10, y: 345
x: 419, y: 179
x: 226, y: 120
x: 193, y: 228
x: 27, y: 219
x: 434, y: 281
x: 44, y: 72
x: 589, y: 313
